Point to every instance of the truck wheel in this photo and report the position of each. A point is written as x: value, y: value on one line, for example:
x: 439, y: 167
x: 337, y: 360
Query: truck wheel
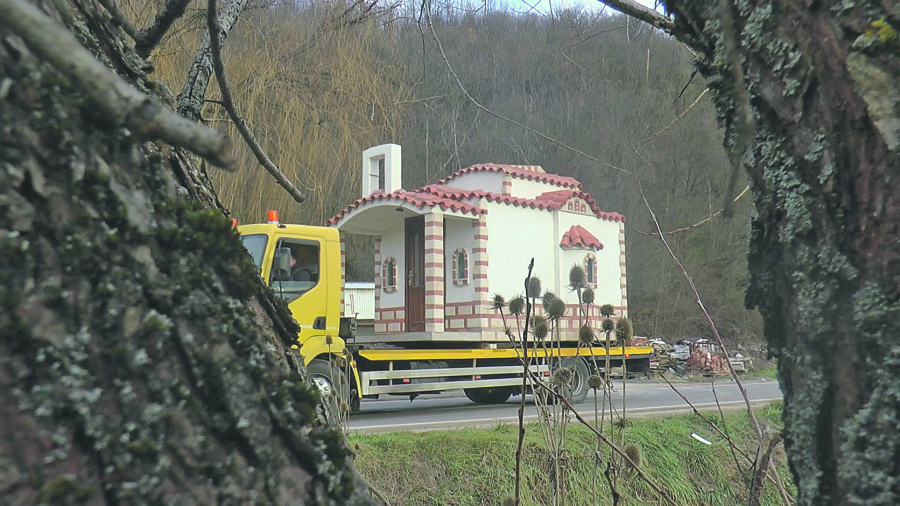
x: 332, y: 384
x: 493, y: 395
x: 577, y: 392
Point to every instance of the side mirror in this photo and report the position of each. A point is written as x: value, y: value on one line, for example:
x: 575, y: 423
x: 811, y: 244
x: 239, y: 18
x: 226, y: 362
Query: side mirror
x: 281, y: 267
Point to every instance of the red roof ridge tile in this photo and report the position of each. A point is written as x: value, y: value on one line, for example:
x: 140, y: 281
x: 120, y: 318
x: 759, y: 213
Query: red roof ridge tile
x: 578, y: 237
x: 531, y: 172
x: 417, y: 198
x: 447, y: 197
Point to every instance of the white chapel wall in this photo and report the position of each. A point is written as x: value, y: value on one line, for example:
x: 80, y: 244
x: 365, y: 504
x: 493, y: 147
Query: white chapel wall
x: 487, y: 181
x: 516, y: 234
x: 528, y: 189
x: 459, y: 234
x: 392, y: 247
x: 608, y: 289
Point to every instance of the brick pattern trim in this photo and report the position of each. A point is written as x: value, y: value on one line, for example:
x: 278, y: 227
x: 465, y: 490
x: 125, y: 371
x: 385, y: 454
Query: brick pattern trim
x: 390, y: 319
x: 465, y: 317
x: 480, y: 265
x: 377, y: 273
x: 434, y: 272
x: 460, y: 278
x: 569, y: 324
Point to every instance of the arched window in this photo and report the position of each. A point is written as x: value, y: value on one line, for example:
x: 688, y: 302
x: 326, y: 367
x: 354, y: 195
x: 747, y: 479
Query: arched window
x: 389, y: 275
x: 460, y: 267
x: 590, y: 270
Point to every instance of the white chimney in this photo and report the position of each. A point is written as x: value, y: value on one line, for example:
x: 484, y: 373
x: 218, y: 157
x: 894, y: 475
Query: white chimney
x: 381, y: 169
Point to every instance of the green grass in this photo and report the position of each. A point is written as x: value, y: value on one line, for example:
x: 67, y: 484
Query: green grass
x: 477, y: 466
x: 768, y: 371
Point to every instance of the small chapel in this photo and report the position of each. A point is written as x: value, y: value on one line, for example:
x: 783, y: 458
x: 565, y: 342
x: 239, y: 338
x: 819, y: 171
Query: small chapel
x: 442, y: 251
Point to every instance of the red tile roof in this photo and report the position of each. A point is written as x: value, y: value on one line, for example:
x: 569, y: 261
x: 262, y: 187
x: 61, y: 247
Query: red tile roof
x: 419, y: 199
x: 549, y: 200
x: 447, y: 197
x: 578, y: 237
x: 532, y: 172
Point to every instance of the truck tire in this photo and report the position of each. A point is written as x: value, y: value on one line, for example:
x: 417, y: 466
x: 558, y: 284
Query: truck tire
x: 332, y: 385
x: 577, y: 392
x: 493, y: 395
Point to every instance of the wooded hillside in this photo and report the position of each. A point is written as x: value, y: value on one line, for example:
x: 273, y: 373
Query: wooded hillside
x: 595, y: 96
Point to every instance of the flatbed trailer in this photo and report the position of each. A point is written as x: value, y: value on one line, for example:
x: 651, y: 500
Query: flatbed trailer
x: 498, y: 371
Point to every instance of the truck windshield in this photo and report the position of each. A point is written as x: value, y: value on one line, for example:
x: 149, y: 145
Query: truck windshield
x: 256, y: 245
x: 302, y: 274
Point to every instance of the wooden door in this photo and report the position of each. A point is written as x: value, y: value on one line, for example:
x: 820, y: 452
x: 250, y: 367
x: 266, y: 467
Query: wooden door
x: 415, y: 274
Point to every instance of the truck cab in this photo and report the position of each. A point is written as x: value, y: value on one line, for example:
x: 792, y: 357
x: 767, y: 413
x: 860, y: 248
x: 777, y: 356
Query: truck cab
x: 302, y: 265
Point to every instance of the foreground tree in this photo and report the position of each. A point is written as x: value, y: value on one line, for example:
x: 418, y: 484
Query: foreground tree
x: 141, y: 360
x: 811, y: 90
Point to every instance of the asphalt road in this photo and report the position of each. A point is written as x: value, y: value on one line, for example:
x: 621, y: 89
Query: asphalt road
x: 447, y: 411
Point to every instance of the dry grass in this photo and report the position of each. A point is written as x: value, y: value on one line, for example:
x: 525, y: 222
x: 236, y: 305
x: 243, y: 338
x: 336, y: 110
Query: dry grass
x: 314, y: 92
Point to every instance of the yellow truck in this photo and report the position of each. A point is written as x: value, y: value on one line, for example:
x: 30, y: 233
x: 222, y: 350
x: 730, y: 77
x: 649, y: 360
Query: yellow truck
x: 303, y: 265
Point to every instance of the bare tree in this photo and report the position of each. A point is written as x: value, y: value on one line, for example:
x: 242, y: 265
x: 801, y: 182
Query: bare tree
x: 141, y: 359
x: 823, y: 158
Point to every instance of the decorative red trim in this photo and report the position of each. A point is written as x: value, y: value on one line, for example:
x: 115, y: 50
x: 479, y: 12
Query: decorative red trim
x: 418, y: 199
x: 590, y: 271
x: 389, y: 263
x: 552, y: 200
x: 460, y: 278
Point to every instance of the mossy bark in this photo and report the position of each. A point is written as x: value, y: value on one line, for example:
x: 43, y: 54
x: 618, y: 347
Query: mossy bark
x: 824, y: 85
x: 141, y: 360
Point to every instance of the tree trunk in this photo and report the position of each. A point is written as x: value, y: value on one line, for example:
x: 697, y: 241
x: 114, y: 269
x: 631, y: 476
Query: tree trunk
x: 193, y: 95
x: 824, y: 85
x: 134, y: 365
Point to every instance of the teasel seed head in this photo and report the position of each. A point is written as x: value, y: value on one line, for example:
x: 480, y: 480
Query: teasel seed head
x: 557, y: 309
x: 576, y: 277
x: 534, y: 287
x: 585, y: 335
x: 587, y: 296
x: 517, y: 305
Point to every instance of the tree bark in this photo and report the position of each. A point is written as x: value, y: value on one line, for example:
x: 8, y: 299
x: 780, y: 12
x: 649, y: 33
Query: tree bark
x: 141, y: 359
x: 193, y: 95
x: 824, y: 84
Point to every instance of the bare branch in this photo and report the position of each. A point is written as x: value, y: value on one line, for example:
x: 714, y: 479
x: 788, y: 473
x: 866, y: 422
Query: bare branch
x: 645, y: 14
x: 228, y: 101
x: 146, y: 40
x: 709, y: 319
x: 150, y: 37
x: 121, y: 103
x: 190, y: 100
x: 525, y: 363
x: 694, y: 103
x: 701, y: 222
x: 121, y: 19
